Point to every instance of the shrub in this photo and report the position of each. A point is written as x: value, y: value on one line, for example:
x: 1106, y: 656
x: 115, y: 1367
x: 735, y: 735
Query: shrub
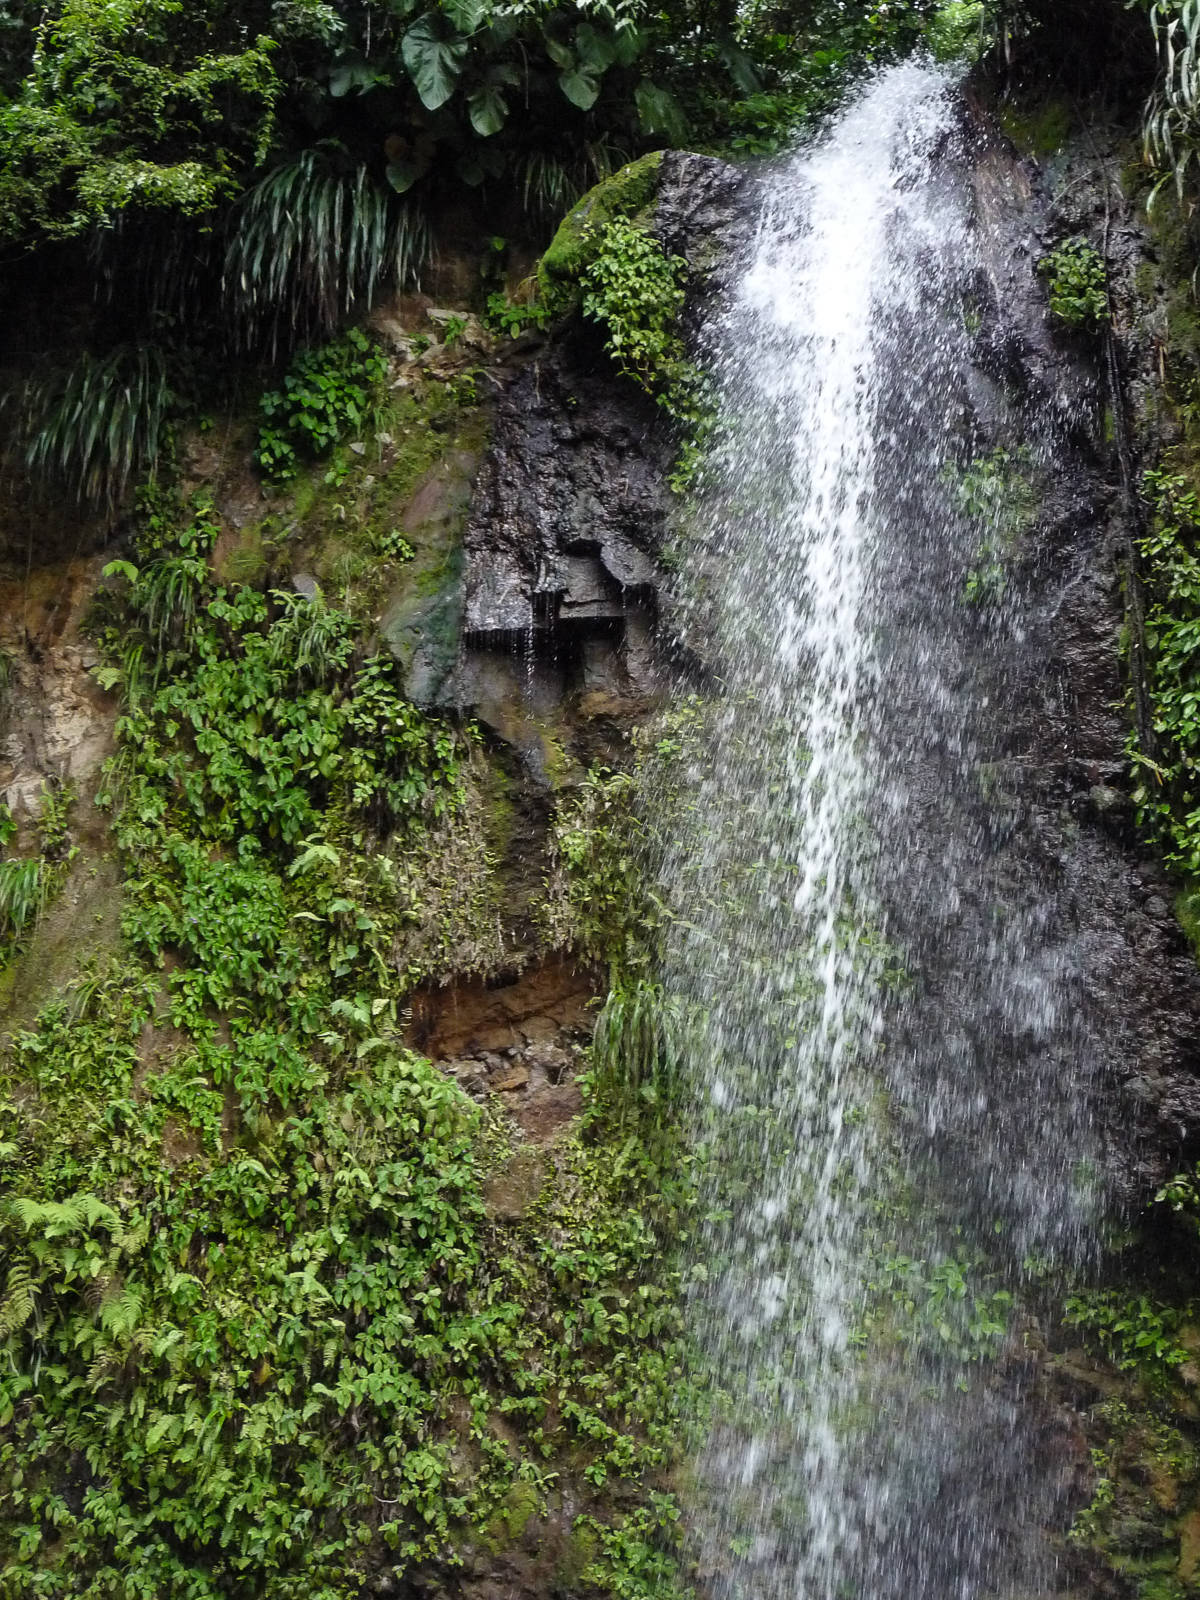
x: 309, y: 242
x: 1078, y: 284
x: 635, y: 290
x: 326, y: 392
x: 1132, y: 1330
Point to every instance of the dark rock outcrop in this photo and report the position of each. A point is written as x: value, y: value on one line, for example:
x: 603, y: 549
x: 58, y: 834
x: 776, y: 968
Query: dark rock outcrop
x: 1065, y: 702
x: 562, y: 550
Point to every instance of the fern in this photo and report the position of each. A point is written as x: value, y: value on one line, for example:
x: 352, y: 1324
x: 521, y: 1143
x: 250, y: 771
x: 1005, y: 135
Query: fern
x: 121, y: 1313
x: 309, y: 638
x: 19, y: 1298
x: 55, y: 1218
x: 91, y: 428
x: 309, y: 242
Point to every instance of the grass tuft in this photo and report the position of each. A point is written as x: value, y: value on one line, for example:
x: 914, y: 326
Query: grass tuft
x: 91, y: 427
x: 637, y: 1051
x: 310, y: 242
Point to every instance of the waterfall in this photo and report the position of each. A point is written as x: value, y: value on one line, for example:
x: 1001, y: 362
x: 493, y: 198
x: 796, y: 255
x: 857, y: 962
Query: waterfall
x: 886, y: 1072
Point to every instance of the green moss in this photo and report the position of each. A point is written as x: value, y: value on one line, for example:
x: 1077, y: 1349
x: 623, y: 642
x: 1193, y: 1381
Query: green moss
x: 381, y: 528
x: 626, y: 193
x: 82, y: 925
x: 519, y: 1505
x: 500, y: 815
x: 1040, y: 130
x: 422, y: 617
x: 580, y: 1550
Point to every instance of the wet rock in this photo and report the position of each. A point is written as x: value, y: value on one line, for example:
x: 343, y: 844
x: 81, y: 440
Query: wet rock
x: 700, y: 214
x: 562, y: 548
x: 572, y: 503
x: 548, y: 1111
x: 512, y: 1078
x: 511, y: 1193
x: 1105, y: 907
x: 422, y: 620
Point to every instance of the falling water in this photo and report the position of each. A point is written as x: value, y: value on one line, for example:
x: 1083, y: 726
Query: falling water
x: 884, y: 1008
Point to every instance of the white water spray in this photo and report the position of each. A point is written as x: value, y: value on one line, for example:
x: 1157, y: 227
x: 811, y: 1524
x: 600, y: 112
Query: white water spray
x: 825, y: 590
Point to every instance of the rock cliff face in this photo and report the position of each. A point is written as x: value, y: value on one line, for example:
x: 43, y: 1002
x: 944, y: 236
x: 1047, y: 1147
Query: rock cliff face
x: 1072, y: 639
x: 562, y: 552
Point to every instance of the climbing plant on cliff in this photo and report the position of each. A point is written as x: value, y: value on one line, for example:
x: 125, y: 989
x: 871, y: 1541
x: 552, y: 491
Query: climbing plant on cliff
x: 1167, y: 794
x: 259, y: 1329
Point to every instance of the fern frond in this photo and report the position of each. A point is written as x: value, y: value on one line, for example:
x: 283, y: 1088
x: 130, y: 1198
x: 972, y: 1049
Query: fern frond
x: 19, y: 1297
x: 121, y: 1313
x: 54, y: 1218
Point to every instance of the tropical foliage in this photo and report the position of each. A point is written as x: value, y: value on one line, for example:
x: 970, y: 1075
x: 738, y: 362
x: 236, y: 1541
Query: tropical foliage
x: 260, y: 1330
x: 149, y: 106
x: 1167, y: 793
x: 1078, y: 283
x: 326, y: 392
x: 314, y: 241
x: 1172, y: 130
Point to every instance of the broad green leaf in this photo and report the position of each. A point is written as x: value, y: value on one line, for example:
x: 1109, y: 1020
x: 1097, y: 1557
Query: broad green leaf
x: 324, y: 854
x: 580, y: 88
x: 466, y: 15
x: 740, y: 68
x: 560, y: 54
x: 480, y: 162
x: 659, y: 112
x: 489, y: 110
x: 354, y: 72
x: 499, y: 31
x: 402, y: 174
x: 433, y: 63
x: 597, y: 51
x: 627, y: 45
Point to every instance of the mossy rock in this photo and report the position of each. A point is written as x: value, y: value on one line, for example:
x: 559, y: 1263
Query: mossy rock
x: 1040, y: 130
x: 83, y: 921
x: 627, y: 192
x: 511, y: 1193
x: 580, y: 1549
x: 422, y: 621
x: 515, y: 1511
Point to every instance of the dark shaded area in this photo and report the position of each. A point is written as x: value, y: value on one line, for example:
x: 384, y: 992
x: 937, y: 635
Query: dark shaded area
x: 1083, y: 48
